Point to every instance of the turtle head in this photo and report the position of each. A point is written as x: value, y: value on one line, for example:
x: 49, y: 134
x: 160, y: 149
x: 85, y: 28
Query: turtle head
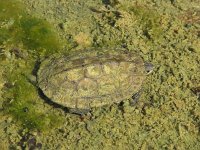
x: 148, y: 67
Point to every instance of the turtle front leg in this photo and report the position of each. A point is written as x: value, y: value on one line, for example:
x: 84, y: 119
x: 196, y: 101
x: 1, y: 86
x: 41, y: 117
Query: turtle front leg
x: 135, y: 97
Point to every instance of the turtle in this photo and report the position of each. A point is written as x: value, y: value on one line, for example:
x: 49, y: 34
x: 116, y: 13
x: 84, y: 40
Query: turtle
x: 83, y: 80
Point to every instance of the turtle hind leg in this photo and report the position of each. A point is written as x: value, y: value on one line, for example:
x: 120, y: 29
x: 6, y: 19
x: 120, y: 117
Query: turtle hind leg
x: 135, y: 97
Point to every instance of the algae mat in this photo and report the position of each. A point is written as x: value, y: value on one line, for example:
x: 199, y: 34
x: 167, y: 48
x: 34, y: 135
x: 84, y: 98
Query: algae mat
x: 166, y: 33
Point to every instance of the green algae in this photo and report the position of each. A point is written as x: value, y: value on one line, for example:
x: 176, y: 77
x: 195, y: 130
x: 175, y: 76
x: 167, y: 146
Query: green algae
x: 23, y: 40
x: 4, y: 35
x: 23, y: 101
x: 10, y: 9
x: 34, y: 33
x: 149, y: 20
x: 22, y: 107
x: 39, y: 35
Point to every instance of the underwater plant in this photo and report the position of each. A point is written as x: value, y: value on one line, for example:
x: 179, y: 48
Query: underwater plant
x: 39, y: 35
x: 19, y: 27
x: 23, y: 102
x: 149, y: 20
x: 10, y: 9
x: 4, y: 35
x: 24, y: 38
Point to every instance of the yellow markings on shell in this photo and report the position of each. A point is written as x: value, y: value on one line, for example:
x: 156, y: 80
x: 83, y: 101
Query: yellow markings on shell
x: 65, y: 93
x: 75, y: 74
x: 105, y: 85
x: 93, y: 71
x: 83, y: 103
x: 87, y: 87
x: 124, y: 65
x: 107, y: 69
x: 110, y: 67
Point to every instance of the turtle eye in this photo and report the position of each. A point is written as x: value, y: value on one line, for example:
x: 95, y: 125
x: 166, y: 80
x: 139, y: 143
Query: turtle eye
x: 149, y: 71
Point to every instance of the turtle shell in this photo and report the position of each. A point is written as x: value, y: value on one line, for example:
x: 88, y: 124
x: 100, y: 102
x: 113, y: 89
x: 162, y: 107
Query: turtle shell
x: 89, y: 79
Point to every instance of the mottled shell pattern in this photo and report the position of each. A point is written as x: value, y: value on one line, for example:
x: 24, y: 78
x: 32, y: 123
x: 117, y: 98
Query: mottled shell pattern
x: 89, y: 79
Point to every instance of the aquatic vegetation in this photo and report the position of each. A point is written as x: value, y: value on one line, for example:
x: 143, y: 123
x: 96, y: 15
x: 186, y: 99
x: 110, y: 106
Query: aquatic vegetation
x: 34, y: 33
x: 124, y: 22
x: 24, y: 38
x: 4, y: 35
x: 39, y: 35
x: 149, y: 20
x: 10, y: 9
x: 23, y: 101
x: 83, y: 39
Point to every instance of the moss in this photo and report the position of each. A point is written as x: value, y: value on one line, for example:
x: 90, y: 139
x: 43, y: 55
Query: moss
x: 22, y: 100
x: 22, y: 106
x: 38, y: 34
x: 38, y: 38
x: 83, y: 39
x: 149, y: 19
x: 4, y: 35
x: 10, y: 9
x: 34, y: 33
